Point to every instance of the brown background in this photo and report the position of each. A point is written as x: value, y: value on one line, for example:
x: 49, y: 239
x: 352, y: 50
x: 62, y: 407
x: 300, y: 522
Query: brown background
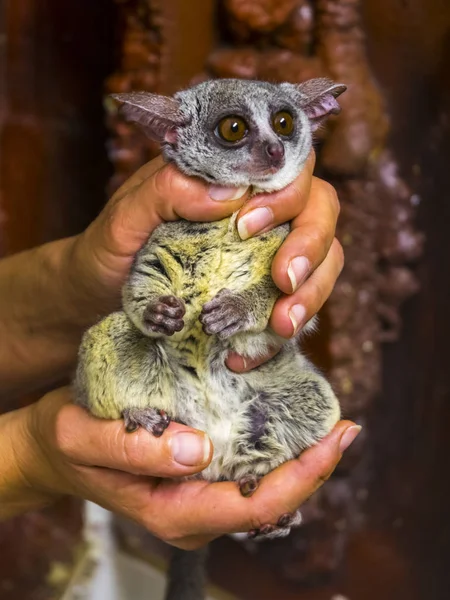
x: 54, y: 170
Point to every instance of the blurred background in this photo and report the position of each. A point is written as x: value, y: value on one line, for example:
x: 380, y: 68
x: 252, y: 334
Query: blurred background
x: 380, y: 528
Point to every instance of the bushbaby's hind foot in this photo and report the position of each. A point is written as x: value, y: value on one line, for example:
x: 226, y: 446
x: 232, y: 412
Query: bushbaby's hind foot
x: 282, y: 529
x: 165, y: 315
x: 248, y: 485
x: 153, y: 420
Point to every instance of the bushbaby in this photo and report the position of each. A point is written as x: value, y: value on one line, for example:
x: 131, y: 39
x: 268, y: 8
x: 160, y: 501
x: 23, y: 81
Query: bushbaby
x: 196, y: 291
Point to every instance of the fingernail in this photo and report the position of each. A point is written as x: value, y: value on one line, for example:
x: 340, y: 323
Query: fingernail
x: 348, y: 437
x: 222, y: 194
x: 190, y: 449
x: 298, y: 269
x: 297, y: 315
x: 254, y: 221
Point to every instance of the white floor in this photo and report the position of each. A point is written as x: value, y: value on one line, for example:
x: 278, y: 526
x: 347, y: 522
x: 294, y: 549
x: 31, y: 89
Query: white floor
x: 105, y: 573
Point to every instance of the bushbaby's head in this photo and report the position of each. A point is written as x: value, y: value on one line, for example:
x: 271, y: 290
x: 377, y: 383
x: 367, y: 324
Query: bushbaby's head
x: 234, y: 132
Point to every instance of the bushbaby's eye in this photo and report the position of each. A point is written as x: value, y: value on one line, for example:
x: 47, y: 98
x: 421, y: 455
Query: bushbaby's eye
x: 283, y: 123
x: 232, y: 129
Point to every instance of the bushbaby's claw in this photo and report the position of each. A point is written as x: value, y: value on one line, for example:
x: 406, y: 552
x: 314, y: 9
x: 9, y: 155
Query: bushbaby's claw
x: 153, y: 420
x: 282, y: 529
x: 267, y: 529
x: 165, y: 315
x: 290, y: 519
x: 131, y: 427
x: 248, y: 485
x: 284, y: 520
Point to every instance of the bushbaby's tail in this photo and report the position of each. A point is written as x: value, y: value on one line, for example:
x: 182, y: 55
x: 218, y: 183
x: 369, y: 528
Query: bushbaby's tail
x: 187, y: 575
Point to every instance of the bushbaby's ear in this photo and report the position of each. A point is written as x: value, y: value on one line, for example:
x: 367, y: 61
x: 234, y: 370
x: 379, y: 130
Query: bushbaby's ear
x: 319, y: 99
x: 159, y: 116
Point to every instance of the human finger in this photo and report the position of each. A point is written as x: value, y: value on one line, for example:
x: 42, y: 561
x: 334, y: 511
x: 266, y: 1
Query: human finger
x: 196, y: 507
x: 242, y: 364
x: 89, y: 441
x: 292, y: 312
x: 310, y: 239
x: 166, y: 195
x: 265, y: 211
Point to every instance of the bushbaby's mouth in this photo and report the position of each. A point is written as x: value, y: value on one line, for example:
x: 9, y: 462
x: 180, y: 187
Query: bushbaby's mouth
x: 265, y: 174
x: 269, y: 171
x: 257, y: 172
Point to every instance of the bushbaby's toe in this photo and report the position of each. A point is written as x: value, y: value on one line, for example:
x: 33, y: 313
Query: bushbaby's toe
x: 153, y: 420
x: 268, y: 532
x: 282, y: 529
x: 290, y: 519
x: 248, y: 485
x: 165, y: 316
x: 224, y: 315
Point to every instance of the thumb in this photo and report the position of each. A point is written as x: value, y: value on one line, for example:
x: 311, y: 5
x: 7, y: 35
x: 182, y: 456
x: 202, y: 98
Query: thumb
x: 165, y: 195
x: 89, y: 441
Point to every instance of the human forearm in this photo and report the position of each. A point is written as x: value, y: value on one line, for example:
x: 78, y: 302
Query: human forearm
x: 40, y: 324
x: 17, y: 493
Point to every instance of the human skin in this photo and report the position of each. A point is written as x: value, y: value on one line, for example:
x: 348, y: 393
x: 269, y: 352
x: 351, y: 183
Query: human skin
x: 51, y: 294
x: 54, y: 448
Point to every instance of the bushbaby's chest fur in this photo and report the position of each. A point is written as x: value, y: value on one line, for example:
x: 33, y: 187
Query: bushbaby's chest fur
x: 201, y: 259
x: 256, y: 420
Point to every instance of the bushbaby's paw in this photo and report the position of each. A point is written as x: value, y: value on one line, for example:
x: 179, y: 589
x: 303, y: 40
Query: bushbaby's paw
x: 153, y: 420
x: 226, y: 314
x: 165, y: 315
x: 248, y: 485
x: 282, y: 529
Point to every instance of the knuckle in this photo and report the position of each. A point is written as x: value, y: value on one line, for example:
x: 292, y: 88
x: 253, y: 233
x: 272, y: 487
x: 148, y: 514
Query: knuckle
x: 324, y: 476
x: 175, y: 537
x: 317, y: 292
x: 64, y: 433
x: 150, y: 523
x: 315, y: 241
x: 339, y: 252
x: 134, y: 450
x: 171, y: 184
x: 188, y: 544
x: 164, y: 182
x: 264, y: 514
x: 312, y: 158
x: 167, y: 535
x: 331, y: 194
x: 163, y: 529
x: 118, y: 220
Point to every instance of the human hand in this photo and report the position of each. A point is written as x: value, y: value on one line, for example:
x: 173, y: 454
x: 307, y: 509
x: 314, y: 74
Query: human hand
x: 309, y: 261
x: 305, y: 267
x: 61, y: 449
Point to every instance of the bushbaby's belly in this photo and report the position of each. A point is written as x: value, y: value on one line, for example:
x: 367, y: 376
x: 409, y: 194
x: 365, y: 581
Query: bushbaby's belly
x: 214, y: 407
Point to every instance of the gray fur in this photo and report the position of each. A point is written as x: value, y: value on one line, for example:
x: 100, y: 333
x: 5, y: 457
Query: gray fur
x: 197, y: 291
x: 186, y: 127
x: 186, y: 578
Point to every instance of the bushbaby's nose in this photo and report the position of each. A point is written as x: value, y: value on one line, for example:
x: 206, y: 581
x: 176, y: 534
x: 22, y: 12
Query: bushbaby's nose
x: 275, y: 152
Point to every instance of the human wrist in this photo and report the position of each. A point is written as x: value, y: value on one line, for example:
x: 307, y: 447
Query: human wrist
x: 22, y: 467
x: 76, y: 311
x: 39, y: 300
